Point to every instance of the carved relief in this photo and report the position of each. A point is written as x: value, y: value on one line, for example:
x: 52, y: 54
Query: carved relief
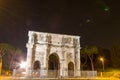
x: 48, y: 38
x: 35, y: 38
x: 75, y: 42
x: 69, y: 55
x: 66, y: 40
x: 41, y: 38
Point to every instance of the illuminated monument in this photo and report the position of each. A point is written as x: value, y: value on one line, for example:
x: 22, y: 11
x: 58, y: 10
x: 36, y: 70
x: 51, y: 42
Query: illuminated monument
x: 47, y: 52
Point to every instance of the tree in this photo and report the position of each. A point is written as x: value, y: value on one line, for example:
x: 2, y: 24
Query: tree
x: 115, y: 56
x: 89, y: 51
x: 3, y: 49
x: 84, y: 60
x: 105, y: 54
x: 15, y: 57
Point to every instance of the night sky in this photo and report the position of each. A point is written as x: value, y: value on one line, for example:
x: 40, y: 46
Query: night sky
x: 96, y: 21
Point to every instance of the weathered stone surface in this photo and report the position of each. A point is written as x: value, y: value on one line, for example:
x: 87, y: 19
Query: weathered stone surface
x: 41, y: 45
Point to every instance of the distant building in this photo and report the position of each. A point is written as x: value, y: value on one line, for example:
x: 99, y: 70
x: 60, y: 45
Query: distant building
x: 53, y: 54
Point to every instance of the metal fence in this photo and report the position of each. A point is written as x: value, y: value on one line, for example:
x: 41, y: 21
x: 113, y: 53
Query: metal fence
x: 88, y: 74
x: 53, y: 74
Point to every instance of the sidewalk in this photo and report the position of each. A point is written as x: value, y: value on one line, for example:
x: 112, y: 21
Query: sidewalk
x: 5, y: 78
x: 22, y: 78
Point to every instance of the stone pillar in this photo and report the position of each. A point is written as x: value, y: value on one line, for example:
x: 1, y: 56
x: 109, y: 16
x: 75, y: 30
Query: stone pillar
x: 76, y: 44
x: 77, y: 62
x: 43, y: 72
x: 66, y: 71
x: 77, y: 68
x: 62, y: 68
x: 44, y: 66
x: 29, y: 60
x: 65, y: 66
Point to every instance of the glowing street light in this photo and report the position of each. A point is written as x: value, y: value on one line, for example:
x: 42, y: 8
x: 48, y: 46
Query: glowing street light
x: 102, y: 60
x: 23, y: 65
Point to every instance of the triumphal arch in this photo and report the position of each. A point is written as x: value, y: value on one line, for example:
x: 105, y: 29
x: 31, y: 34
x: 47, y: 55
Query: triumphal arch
x: 50, y: 53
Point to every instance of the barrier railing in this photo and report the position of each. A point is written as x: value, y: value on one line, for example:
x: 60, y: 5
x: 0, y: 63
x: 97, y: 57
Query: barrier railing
x: 52, y: 74
x: 88, y: 74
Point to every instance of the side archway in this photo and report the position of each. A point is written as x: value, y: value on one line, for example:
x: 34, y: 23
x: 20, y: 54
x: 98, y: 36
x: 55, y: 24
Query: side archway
x: 70, y: 69
x: 36, y: 65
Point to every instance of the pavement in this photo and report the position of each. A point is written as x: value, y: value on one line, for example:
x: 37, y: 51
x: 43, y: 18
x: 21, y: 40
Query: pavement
x: 5, y: 78
x: 21, y: 78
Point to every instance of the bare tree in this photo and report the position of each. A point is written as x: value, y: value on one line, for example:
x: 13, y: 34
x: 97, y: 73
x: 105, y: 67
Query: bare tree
x: 89, y: 51
x: 3, y: 49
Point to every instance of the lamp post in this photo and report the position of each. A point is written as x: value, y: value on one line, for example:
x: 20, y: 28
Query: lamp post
x: 102, y: 60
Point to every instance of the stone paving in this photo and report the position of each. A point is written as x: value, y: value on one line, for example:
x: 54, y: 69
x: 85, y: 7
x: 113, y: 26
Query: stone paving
x: 98, y: 78
x: 9, y: 78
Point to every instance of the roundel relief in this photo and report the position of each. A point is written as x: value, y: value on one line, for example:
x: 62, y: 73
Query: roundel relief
x: 53, y: 49
x: 69, y: 55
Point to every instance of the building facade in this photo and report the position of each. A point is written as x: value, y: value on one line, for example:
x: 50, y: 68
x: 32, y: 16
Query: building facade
x: 53, y: 52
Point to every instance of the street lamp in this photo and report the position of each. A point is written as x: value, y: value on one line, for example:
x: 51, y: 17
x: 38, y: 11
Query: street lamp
x: 102, y: 60
x: 23, y: 65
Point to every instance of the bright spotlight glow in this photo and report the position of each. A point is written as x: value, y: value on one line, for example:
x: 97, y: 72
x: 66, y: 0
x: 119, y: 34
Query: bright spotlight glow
x: 23, y: 65
x: 101, y: 59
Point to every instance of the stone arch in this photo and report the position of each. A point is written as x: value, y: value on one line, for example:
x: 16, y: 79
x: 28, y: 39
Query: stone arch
x: 37, y: 65
x: 51, y: 45
x: 71, y: 69
x: 53, y: 65
x: 53, y: 62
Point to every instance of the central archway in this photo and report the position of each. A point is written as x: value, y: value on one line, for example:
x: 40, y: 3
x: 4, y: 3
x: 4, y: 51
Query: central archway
x: 53, y: 64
